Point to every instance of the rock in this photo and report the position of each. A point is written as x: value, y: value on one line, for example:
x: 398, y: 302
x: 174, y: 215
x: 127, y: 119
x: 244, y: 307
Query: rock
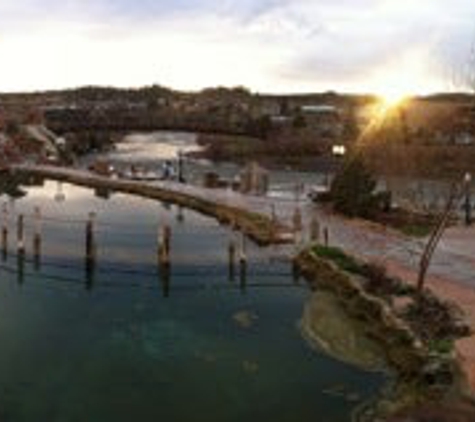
x: 250, y: 367
x: 245, y: 319
x: 438, y: 372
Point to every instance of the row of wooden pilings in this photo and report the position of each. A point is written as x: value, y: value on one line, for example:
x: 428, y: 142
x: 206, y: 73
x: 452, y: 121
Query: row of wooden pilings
x: 236, y: 250
x: 237, y: 256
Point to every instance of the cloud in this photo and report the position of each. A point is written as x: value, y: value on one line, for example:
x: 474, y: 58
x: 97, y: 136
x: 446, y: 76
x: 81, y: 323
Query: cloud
x: 269, y: 45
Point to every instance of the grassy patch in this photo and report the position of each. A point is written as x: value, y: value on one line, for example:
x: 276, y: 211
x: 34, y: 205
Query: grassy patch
x: 341, y: 259
x: 416, y: 230
x: 442, y: 346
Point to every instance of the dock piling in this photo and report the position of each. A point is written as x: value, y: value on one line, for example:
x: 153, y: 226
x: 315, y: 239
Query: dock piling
x: 163, y: 246
x: 243, y: 264
x: 37, y: 238
x: 4, y: 231
x: 21, y: 266
x: 90, y: 258
x: 163, y: 258
x: 232, y: 258
x: 20, y: 234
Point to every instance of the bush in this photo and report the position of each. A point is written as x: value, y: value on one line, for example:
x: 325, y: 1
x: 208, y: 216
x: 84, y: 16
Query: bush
x: 378, y: 281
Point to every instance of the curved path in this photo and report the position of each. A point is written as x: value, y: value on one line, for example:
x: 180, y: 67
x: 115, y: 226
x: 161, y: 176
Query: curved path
x: 224, y: 206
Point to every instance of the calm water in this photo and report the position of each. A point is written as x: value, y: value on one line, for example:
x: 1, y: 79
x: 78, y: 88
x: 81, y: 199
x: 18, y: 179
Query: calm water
x: 149, y: 151
x: 112, y: 347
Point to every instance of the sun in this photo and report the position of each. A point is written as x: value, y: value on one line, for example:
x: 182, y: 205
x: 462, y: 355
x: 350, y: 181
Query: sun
x: 393, y: 99
x: 405, y: 77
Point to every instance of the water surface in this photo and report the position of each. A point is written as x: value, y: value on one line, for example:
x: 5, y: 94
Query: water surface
x: 116, y: 345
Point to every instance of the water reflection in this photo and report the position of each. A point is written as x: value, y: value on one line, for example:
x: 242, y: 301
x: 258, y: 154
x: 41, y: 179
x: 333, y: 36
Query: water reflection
x: 147, y: 148
x: 90, y: 269
x: 21, y: 266
x: 164, y: 273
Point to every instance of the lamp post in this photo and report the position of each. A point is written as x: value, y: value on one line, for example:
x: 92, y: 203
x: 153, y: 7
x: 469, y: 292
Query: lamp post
x: 181, y: 177
x: 467, y: 179
x: 338, y: 151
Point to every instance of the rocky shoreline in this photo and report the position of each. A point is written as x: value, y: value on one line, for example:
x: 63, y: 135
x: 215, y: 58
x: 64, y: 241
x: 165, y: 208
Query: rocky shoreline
x: 426, y: 372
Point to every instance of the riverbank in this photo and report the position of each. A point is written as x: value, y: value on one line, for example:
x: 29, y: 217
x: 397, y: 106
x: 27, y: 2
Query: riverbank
x: 281, y: 153
x: 257, y: 226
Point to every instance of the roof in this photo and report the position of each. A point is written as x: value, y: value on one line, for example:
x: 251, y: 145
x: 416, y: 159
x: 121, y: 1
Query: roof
x: 319, y: 109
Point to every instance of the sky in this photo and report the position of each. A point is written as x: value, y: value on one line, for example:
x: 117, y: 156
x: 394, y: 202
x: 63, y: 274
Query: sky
x: 273, y: 46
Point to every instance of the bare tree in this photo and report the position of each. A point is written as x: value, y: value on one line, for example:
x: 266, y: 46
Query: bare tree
x: 435, y: 237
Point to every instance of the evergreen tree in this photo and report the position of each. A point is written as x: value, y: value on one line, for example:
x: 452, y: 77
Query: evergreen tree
x: 352, y: 189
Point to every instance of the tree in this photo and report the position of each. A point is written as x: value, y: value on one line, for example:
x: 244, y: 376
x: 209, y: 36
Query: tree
x: 352, y: 189
x: 468, y: 81
x: 435, y: 237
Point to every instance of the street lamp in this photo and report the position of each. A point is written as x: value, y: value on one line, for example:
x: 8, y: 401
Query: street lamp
x: 181, y: 177
x: 467, y: 179
x: 338, y: 150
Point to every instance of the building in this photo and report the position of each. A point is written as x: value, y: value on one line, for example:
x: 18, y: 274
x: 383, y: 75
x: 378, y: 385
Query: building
x: 326, y: 120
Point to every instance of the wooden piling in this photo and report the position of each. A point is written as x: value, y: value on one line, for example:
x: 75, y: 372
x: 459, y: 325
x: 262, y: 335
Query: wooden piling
x: 232, y: 258
x: 90, y: 258
x: 4, y: 231
x: 167, y: 235
x: 21, y: 266
x: 326, y: 236
x: 163, y: 258
x: 163, y: 246
x: 242, y: 264
x: 37, y: 238
x: 20, y: 234
x: 90, y: 239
